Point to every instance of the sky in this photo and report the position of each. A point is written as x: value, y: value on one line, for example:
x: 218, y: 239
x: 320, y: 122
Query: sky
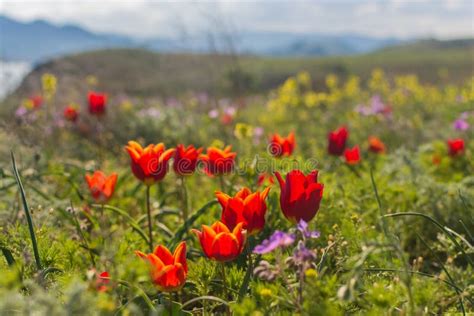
x: 403, y: 19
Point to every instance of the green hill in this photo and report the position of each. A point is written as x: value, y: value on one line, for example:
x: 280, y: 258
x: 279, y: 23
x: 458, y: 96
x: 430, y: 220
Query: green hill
x: 140, y: 73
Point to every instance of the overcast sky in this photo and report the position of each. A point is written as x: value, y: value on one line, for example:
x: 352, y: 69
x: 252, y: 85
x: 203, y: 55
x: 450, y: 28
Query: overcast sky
x: 150, y: 18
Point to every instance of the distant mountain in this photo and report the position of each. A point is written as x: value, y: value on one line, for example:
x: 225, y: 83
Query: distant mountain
x: 39, y: 40
x: 316, y: 44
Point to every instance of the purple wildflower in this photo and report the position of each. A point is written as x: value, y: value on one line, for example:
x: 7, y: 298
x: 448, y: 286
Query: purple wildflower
x: 213, y: 113
x: 302, y: 254
x: 376, y: 104
x: 276, y: 240
x: 230, y: 110
x: 173, y: 102
x: 460, y: 124
x: 303, y: 228
x: 363, y: 110
x: 20, y: 111
x: 258, y: 131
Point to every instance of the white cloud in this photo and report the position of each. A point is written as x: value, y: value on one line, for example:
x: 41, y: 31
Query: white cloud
x: 147, y: 18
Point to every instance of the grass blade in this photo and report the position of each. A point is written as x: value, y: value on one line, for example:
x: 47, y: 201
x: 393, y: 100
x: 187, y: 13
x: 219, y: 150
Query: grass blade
x: 441, y: 227
x: 458, y: 292
x: 8, y: 256
x: 379, y: 203
x: 184, y: 228
x: 28, y: 214
x: 205, y: 298
x: 130, y: 219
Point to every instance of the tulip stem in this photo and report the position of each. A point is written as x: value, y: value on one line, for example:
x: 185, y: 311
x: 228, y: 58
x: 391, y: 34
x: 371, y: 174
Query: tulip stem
x: 102, y: 224
x: 100, y: 141
x: 148, y: 209
x: 224, y: 284
x: 185, y: 199
x: 170, y: 302
x: 222, y: 182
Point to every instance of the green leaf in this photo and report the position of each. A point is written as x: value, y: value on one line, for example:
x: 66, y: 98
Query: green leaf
x: 441, y: 227
x: 178, y: 236
x: 175, y: 310
x: 129, y: 219
x: 8, y: 256
x: 27, y: 212
x: 206, y: 298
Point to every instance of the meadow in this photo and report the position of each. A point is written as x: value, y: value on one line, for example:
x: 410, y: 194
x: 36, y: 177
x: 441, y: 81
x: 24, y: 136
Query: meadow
x: 333, y: 196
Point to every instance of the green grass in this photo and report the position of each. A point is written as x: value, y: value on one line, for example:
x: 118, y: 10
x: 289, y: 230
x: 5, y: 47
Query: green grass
x: 141, y: 73
x: 395, y: 229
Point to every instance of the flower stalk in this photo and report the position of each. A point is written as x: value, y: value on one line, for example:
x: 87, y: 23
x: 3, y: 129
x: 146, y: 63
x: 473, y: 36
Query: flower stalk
x: 150, y: 227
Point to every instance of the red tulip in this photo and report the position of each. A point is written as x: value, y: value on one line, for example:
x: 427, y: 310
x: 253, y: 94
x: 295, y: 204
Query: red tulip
x: 226, y: 119
x: 149, y: 164
x: 376, y: 145
x: 168, y: 271
x: 265, y: 178
x: 456, y: 147
x: 352, y: 155
x: 219, y: 243
x: 185, y: 159
x: 97, y: 102
x: 217, y: 161
x: 102, y: 282
x: 436, y: 159
x: 300, y: 195
x: 282, y: 146
x: 245, y: 207
x: 70, y: 113
x: 36, y: 101
x: 337, y: 141
x: 101, y: 186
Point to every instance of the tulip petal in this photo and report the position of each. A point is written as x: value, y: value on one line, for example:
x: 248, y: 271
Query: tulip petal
x: 222, y: 198
x: 219, y: 227
x: 280, y: 180
x: 164, y: 254
x: 141, y: 254
x: 180, y: 255
x: 264, y: 194
x: 225, y: 247
x: 155, y: 261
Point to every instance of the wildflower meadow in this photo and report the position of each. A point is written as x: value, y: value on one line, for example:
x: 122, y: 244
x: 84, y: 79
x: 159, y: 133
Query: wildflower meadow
x: 348, y: 197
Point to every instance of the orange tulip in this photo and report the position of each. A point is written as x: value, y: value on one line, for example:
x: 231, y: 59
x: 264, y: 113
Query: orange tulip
x: 219, y: 243
x: 185, y: 159
x: 376, y: 145
x: 101, y: 186
x: 168, y: 271
x: 282, y: 146
x: 217, y: 161
x: 149, y: 164
x: 245, y: 207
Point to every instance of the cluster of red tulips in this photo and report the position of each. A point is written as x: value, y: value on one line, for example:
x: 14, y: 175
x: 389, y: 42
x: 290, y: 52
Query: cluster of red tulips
x: 280, y: 146
x: 337, y: 146
x: 97, y: 105
x: 243, y: 214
